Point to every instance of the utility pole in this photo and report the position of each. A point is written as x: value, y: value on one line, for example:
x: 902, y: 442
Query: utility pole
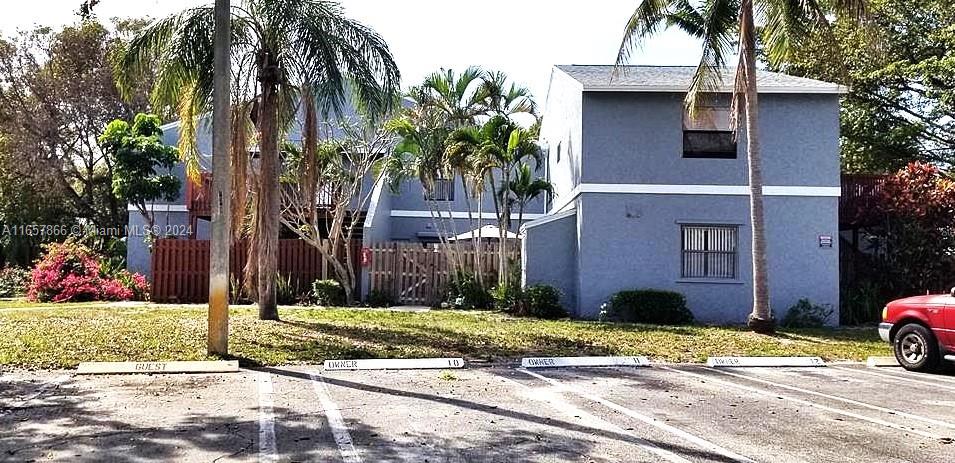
x: 221, y: 180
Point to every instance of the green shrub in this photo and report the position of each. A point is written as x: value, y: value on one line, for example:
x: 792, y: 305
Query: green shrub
x: 14, y: 281
x: 648, y: 306
x: 328, y: 293
x: 506, y: 297
x: 540, y: 301
x: 467, y: 293
x: 289, y: 291
x: 379, y: 298
x: 805, y: 314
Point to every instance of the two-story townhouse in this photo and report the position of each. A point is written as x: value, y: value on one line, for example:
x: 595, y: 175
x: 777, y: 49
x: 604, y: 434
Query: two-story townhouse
x: 405, y: 216
x: 651, y: 196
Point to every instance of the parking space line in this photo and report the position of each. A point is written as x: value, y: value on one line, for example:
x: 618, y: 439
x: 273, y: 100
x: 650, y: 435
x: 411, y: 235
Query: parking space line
x: 346, y: 448
x: 771, y: 394
x: 641, y: 417
x: 843, y: 399
x: 925, y: 376
x: 570, y: 410
x: 268, y: 449
x: 897, y: 378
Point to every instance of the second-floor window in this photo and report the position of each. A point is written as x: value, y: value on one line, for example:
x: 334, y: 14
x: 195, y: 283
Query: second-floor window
x: 707, y: 133
x: 443, y: 190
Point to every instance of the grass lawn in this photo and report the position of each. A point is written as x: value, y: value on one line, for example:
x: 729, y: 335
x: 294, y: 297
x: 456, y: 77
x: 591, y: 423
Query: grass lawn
x: 61, y: 337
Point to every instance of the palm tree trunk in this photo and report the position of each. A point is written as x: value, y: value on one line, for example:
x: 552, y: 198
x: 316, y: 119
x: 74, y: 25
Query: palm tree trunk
x: 267, y: 219
x: 476, y: 270
x: 761, y: 319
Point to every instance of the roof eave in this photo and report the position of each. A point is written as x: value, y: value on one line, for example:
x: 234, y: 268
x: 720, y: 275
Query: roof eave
x: 827, y: 90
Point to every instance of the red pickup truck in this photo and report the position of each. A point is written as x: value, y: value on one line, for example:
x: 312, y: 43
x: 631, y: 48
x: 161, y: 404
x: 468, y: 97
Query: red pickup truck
x: 921, y: 329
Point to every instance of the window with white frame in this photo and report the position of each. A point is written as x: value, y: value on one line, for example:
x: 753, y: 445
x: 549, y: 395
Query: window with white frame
x: 710, y: 251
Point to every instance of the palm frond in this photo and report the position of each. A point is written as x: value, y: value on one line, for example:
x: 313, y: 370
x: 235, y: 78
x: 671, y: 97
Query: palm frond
x: 646, y: 21
x: 716, y: 26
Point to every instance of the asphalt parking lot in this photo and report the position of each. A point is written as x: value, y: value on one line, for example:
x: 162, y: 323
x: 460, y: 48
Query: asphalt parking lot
x: 674, y: 413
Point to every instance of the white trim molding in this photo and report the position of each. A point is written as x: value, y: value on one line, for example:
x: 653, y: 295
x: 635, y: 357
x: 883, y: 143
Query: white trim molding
x: 455, y: 215
x: 793, y: 89
x: 161, y: 208
x: 702, y: 190
x: 376, y: 196
x: 548, y: 219
x: 719, y: 190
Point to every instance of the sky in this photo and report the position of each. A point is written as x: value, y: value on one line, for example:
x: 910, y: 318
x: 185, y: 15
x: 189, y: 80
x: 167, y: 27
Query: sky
x: 523, y: 38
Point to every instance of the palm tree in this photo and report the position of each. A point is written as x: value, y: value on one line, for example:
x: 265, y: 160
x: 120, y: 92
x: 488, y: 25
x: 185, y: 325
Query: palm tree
x: 722, y: 25
x: 457, y: 97
x: 524, y: 188
x: 503, y: 99
x: 280, y: 48
x: 499, y: 146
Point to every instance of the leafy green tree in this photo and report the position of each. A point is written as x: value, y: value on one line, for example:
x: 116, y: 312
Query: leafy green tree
x: 286, y: 53
x: 141, y: 174
x: 900, y: 70
x: 58, y: 93
x: 725, y: 26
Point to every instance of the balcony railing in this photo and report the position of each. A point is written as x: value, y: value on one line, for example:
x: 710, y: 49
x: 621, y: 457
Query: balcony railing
x: 860, y: 193
x: 199, y: 197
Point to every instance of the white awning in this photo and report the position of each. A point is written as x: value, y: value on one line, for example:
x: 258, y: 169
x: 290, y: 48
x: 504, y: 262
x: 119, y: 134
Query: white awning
x: 486, y: 232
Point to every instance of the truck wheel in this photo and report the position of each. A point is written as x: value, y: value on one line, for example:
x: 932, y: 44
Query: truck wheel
x: 916, y: 348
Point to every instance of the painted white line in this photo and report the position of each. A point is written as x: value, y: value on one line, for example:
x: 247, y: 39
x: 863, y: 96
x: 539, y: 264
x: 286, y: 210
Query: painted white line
x: 395, y: 364
x: 557, y: 403
x: 339, y: 431
x: 554, y: 362
x: 641, y: 417
x: 843, y: 400
x: 774, y: 395
x: 897, y: 378
x: 268, y: 449
x: 717, y: 362
x: 926, y: 376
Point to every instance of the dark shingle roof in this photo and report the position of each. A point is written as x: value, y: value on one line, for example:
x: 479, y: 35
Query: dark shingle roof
x: 677, y: 79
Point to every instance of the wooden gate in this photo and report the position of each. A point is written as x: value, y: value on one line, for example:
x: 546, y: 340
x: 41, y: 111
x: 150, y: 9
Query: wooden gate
x: 416, y: 274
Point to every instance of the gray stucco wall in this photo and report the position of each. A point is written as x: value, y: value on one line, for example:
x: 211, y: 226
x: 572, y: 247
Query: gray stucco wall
x: 549, y: 256
x: 561, y: 130
x: 643, y: 251
x: 411, y: 197
x: 638, y: 138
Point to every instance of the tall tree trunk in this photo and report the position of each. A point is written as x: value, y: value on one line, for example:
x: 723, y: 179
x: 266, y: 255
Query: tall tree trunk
x: 267, y: 218
x: 761, y: 319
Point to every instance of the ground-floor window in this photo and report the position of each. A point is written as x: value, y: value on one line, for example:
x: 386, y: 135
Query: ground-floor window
x: 710, y: 251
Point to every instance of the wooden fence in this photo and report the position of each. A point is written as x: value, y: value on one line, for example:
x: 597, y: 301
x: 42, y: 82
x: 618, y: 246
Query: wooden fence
x: 180, y: 268
x: 411, y: 273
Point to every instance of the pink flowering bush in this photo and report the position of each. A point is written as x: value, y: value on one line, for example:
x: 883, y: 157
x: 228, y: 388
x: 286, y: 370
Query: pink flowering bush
x: 135, y: 283
x: 69, y: 272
